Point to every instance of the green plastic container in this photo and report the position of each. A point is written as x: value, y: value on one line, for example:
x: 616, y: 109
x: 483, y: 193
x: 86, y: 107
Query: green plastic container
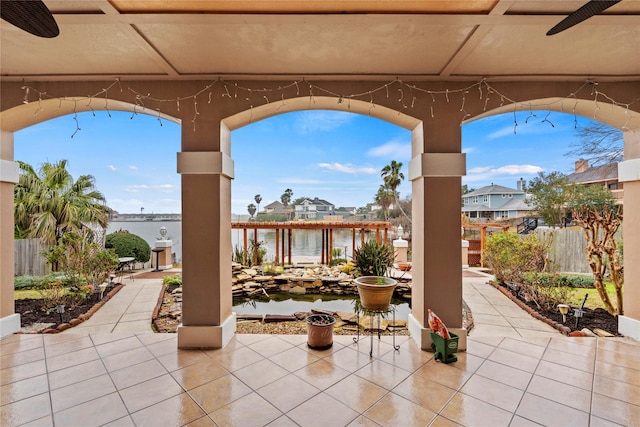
x: 445, y: 349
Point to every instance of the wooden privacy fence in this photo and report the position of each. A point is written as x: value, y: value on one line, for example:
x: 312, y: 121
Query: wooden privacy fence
x: 569, y: 248
x: 28, y: 260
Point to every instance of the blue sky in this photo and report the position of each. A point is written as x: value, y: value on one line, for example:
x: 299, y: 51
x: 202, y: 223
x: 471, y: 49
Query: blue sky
x: 331, y: 155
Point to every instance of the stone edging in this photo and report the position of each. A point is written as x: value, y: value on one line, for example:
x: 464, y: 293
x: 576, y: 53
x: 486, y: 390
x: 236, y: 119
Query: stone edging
x: 84, y: 316
x: 563, y: 329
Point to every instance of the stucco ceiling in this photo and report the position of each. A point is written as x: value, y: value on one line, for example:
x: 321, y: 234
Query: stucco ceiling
x: 363, y: 39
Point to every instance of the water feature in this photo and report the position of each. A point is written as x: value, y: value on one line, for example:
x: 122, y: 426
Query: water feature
x: 304, y: 242
x: 283, y: 303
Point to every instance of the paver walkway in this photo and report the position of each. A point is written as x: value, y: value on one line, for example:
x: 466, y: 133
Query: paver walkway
x: 129, y: 311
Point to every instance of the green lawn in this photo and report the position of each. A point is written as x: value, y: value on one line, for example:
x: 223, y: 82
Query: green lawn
x: 593, y: 300
x: 26, y: 293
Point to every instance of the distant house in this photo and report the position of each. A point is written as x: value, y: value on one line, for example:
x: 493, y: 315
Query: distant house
x: 605, y: 175
x: 274, y: 207
x: 346, y: 211
x: 495, y: 203
x: 314, y: 209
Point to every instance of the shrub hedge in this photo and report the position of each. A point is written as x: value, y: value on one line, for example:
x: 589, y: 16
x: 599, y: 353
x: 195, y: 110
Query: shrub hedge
x: 128, y: 245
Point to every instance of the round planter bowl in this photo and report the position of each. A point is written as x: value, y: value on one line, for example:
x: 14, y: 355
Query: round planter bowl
x: 320, y: 331
x: 373, y: 296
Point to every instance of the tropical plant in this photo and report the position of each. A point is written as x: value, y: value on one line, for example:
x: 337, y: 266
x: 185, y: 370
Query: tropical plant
x: 240, y: 255
x: 258, y: 199
x: 392, y: 178
x: 373, y: 258
x: 257, y: 250
x: 285, y: 198
x: 49, y: 203
x: 384, y: 198
x: 126, y: 244
x: 251, y: 208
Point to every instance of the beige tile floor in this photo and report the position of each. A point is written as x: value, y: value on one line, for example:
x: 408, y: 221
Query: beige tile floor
x: 112, y: 371
x: 276, y: 380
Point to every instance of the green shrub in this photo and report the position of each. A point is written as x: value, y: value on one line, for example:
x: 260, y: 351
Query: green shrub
x: 126, y: 244
x: 25, y: 282
x: 555, y: 279
x: 172, y: 280
x: 510, y: 256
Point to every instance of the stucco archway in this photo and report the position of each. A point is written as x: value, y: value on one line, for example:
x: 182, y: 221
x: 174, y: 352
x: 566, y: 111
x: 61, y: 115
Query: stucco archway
x: 207, y: 169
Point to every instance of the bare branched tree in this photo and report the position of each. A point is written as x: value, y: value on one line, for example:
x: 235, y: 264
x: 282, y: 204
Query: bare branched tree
x: 598, y: 143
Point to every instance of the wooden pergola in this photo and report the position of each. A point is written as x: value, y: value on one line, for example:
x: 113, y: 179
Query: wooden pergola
x: 284, y: 234
x: 477, y: 247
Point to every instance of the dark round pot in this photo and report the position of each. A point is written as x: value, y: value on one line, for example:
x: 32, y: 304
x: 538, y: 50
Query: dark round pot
x: 320, y: 331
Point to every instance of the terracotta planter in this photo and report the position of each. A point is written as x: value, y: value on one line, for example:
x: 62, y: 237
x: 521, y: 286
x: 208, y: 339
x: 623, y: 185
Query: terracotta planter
x: 320, y: 331
x: 373, y: 296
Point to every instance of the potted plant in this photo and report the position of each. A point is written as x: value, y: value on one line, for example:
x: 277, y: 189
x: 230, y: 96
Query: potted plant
x: 320, y: 331
x: 372, y: 261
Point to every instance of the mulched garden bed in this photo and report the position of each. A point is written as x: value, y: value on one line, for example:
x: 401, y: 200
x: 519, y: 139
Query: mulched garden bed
x: 33, y: 312
x: 592, y: 318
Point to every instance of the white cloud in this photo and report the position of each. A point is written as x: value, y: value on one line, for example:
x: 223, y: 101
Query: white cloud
x: 314, y: 121
x: 111, y: 167
x: 487, y: 173
x: 133, y: 168
x: 347, y: 168
x: 135, y: 188
x: 469, y: 150
x: 397, y: 149
x: 165, y: 188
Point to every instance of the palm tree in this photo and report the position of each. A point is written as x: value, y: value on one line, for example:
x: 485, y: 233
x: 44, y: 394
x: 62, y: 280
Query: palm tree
x: 392, y: 178
x: 286, y: 199
x: 383, y: 198
x: 251, y: 208
x: 48, y: 203
x: 258, y: 199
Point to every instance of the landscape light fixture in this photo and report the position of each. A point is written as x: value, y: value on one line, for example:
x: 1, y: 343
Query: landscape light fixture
x: 60, y: 311
x: 563, y: 309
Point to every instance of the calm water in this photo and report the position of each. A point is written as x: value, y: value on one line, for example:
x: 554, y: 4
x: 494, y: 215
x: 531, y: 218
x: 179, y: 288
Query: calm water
x: 289, y: 304
x: 304, y: 242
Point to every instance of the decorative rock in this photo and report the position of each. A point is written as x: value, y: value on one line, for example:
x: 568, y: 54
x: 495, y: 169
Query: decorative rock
x: 577, y: 334
x: 587, y: 332
x: 250, y: 271
x: 36, y: 328
x: 243, y: 277
x: 279, y: 318
x: 63, y: 326
x: 601, y: 333
x: 177, y: 290
x: 299, y: 290
x: 347, y: 316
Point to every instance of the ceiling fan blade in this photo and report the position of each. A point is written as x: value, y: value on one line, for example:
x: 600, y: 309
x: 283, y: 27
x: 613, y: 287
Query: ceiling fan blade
x: 593, y: 7
x: 31, y: 16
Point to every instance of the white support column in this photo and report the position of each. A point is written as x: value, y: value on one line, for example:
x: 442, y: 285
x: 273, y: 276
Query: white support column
x: 629, y: 175
x: 9, y: 319
x: 436, y: 192
x: 207, y: 170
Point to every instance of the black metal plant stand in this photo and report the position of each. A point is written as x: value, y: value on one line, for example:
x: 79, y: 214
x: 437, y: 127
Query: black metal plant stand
x: 376, y: 315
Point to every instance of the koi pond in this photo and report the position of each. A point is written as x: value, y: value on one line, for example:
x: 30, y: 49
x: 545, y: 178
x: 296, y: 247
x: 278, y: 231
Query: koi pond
x: 286, y: 303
